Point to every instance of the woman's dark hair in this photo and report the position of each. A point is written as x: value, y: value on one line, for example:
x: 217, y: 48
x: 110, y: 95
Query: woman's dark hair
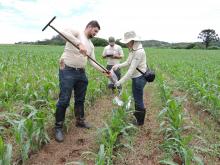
x: 93, y: 23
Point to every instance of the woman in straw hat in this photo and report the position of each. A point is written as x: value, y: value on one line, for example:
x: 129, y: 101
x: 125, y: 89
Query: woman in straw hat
x: 136, y: 59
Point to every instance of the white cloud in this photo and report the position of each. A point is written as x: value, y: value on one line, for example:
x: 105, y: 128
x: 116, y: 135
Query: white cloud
x: 171, y: 20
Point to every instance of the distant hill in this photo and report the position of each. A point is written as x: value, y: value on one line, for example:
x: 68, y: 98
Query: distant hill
x: 57, y: 40
x: 180, y: 45
x: 155, y: 43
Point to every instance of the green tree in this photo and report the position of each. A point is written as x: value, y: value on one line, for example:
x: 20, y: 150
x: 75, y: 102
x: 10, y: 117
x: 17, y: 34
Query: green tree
x: 99, y: 41
x: 207, y: 36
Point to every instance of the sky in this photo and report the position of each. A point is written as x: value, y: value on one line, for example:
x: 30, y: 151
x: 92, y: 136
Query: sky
x: 163, y: 20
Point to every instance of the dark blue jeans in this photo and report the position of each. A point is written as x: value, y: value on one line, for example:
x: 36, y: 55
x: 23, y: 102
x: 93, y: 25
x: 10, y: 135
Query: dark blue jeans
x: 71, y: 79
x: 138, y: 85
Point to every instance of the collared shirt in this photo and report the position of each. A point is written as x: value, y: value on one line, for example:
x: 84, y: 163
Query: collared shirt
x: 136, y: 59
x: 71, y: 55
x: 113, y: 50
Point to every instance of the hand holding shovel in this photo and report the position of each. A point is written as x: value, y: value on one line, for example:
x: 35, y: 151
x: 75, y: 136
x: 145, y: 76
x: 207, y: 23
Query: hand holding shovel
x: 80, y: 47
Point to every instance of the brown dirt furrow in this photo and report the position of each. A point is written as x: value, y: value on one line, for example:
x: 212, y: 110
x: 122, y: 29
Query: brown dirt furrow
x: 203, y: 126
x: 146, y: 142
x: 77, y: 140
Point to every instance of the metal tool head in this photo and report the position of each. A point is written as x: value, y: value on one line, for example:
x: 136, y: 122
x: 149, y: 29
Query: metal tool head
x: 49, y: 23
x: 117, y: 99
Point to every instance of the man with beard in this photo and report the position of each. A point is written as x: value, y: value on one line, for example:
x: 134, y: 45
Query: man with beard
x: 72, y: 75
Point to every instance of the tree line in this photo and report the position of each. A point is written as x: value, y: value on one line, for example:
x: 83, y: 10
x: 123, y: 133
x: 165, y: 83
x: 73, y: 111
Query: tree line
x: 58, y: 40
x: 209, y: 37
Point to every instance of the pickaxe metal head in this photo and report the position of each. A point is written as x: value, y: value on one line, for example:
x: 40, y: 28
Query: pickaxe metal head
x: 49, y: 23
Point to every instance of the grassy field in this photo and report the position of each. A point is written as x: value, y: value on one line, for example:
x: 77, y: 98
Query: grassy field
x: 29, y: 90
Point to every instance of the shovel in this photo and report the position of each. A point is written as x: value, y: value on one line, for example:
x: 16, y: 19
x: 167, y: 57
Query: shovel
x: 49, y: 24
x: 112, y: 77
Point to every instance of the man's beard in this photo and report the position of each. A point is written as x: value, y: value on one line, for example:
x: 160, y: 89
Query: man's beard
x: 90, y: 36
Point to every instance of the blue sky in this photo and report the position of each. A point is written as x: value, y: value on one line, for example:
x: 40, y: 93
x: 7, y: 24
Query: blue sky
x: 170, y: 20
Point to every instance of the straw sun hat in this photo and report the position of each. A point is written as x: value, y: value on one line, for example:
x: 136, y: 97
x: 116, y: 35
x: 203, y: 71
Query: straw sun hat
x: 128, y: 36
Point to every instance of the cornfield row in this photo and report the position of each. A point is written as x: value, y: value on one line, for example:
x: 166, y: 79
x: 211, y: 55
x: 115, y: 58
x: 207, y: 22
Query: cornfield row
x: 197, y: 72
x: 29, y: 91
x: 28, y: 94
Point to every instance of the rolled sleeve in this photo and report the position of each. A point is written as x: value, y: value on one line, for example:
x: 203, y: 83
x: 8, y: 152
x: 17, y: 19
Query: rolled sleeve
x: 93, y: 63
x: 72, y: 35
x: 135, y: 61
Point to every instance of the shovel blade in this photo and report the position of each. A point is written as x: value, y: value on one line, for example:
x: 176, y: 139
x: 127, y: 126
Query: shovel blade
x: 118, y: 101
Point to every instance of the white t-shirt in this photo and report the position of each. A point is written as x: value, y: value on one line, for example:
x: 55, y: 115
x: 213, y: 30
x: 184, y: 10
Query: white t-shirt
x: 113, y: 50
x: 71, y: 55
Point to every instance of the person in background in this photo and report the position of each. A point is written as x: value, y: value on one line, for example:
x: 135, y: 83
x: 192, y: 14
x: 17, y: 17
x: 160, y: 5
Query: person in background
x: 72, y: 75
x: 113, y: 54
x: 136, y: 59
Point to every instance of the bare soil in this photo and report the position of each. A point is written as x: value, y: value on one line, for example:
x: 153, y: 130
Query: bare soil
x: 77, y: 140
x: 147, y: 140
x: 204, y: 126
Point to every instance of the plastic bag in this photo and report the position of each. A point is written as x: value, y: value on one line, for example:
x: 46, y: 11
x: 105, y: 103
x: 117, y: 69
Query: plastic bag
x: 118, y: 101
x: 113, y: 78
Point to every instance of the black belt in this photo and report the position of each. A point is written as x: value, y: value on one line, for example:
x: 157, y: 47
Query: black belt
x: 79, y: 69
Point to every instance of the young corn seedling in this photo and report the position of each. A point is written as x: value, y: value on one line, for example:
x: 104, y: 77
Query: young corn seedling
x: 175, y: 144
x: 5, y: 153
x: 117, y: 127
x: 100, y: 159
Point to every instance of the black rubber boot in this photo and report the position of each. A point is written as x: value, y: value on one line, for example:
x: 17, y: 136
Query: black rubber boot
x: 59, y: 131
x: 80, y: 120
x: 139, y: 115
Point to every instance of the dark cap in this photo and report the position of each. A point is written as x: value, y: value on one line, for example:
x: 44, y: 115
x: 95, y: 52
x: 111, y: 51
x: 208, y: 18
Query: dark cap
x: 111, y: 39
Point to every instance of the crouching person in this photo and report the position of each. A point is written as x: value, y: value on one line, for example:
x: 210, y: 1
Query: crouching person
x: 136, y: 59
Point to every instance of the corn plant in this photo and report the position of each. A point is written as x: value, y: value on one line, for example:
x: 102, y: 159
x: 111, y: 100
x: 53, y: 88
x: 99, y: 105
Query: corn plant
x: 109, y: 135
x: 5, y: 153
x: 175, y: 142
x: 201, y: 82
x: 29, y: 90
x: 101, y: 156
x: 172, y: 126
x: 29, y: 130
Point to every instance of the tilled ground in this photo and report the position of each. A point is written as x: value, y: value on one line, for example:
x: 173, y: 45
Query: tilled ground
x: 77, y: 140
x: 145, y: 149
x: 147, y: 139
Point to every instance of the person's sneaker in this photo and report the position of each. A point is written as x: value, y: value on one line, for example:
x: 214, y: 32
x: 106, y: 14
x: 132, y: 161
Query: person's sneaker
x: 59, y: 135
x: 83, y: 124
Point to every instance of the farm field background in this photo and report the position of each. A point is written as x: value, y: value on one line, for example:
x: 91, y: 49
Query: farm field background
x: 29, y: 90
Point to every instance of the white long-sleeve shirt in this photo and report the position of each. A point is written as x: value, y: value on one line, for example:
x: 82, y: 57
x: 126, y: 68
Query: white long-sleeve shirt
x: 136, y: 59
x: 71, y: 55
